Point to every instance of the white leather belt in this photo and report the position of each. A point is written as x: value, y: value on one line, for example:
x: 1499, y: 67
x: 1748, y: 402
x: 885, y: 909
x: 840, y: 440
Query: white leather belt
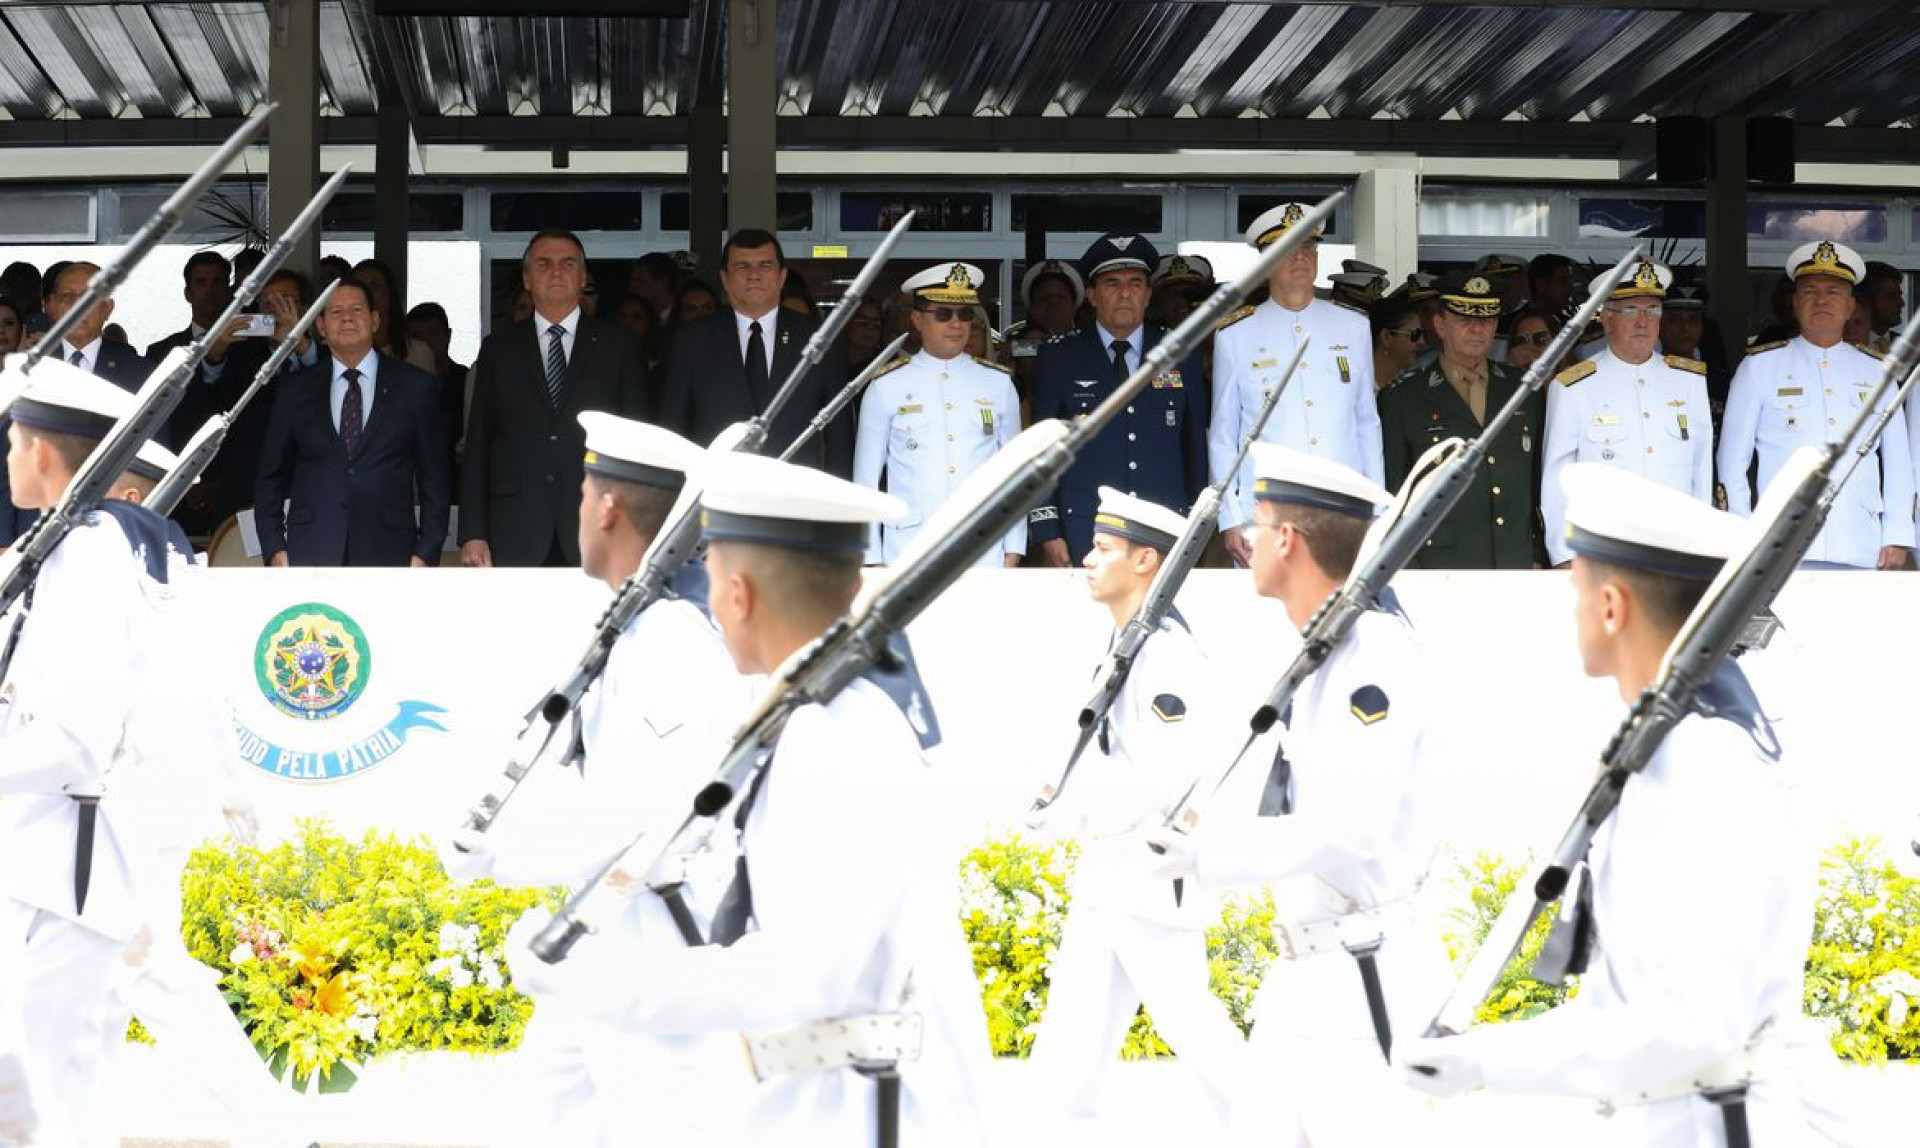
x: 852, y: 1042
x: 1731, y: 1073
x: 1345, y: 934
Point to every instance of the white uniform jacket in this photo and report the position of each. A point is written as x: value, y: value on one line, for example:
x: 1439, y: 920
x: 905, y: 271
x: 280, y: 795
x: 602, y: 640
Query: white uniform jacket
x: 84, y: 655
x: 1794, y: 394
x: 1703, y: 890
x: 927, y: 424
x: 1651, y: 418
x: 1329, y: 409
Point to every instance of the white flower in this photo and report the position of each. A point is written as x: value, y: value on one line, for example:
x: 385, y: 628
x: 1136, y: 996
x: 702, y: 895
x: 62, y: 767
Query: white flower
x: 490, y: 974
x: 460, y: 977
x: 445, y: 968
x: 242, y: 953
x: 363, y: 1025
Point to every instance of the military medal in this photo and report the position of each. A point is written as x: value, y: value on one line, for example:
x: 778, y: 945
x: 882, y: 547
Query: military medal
x: 1526, y: 440
x: 1683, y: 427
x: 1607, y: 455
x: 986, y: 421
x: 1346, y: 372
x: 1173, y: 418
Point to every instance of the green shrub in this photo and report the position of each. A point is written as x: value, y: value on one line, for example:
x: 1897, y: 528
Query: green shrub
x: 334, y: 951
x: 1863, y: 970
x: 1488, y: 881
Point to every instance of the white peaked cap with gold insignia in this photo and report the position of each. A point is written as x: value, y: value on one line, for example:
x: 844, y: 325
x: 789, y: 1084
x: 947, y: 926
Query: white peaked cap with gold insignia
x: 1647, y: 280
x: 630, y: 451
x: 1275, y: 222
x: 153, y: 461
x: 1282, y: 474
x: 1183, y: 269
x: 748, y: 498
x: 954, y: 284
x: 1135, y: 519
x: 1618, y: 517
x: 1058, y: 267
x: 1826, y: 258
x: 65, y: 399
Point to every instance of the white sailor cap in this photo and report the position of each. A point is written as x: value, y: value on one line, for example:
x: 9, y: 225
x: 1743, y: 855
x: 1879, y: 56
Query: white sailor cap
x: 1826, y: 258
x: 1275, y: 222
x: 954, y: 284
x: 1064, y: 270
x: 153, y: 461
x: 1618, y: 517
x: 1647, y: 280
x: 630, y: 451
x: 1282, y: 474
x: 748, y: 498
x: 1178, y: 268
x: 65, y: 399
x: 1135, y: 519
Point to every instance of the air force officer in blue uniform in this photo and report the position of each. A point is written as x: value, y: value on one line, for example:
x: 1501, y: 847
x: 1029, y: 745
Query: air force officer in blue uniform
x: 1157, y: 448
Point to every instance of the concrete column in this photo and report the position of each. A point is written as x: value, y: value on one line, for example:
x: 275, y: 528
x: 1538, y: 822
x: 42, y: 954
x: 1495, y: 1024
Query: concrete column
x: 1727, y: 233
x: 1386, y: 212
x: 293, y: 140
x: 751, y: 65
x: 392, y: 153
x: 706, y: 185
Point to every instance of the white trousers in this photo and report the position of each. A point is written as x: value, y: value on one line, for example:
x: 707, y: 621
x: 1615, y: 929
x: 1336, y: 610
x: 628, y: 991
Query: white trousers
x: 63, y: 971
x: 1109, y: 963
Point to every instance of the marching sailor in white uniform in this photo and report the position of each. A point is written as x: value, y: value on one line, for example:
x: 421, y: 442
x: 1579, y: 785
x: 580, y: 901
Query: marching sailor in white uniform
x: 929, y: 420
x: 1804, y: 392
x: 1340, y: 832
x: 649, y: 730
x: 78, y: 658
x: 1698, y: 892
x: 1628, y: 407
x: 1129, y: 937
x: 1329, y: 409
x: 838, y: 943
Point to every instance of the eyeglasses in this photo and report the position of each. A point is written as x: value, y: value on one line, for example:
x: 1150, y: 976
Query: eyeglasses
x: 1411, y: 334
x: 948, y: 314
x: 1537, y: 339
x: 1632, y: 313
x: 865, y: 320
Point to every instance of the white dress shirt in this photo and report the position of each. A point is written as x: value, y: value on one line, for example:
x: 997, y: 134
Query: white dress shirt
x: 337, y: 393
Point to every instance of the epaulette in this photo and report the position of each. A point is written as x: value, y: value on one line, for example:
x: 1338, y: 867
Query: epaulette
x: 1575, y: 373
x: 892, y: 367
x: 1682, y: 363
x: 1234, y: 316
x: 991, y: 365
x: 1867, y: 350
x: 1062, y: 337
x: 1763, y: 347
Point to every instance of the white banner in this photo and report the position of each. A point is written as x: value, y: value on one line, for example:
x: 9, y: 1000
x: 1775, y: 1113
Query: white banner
x: 390, y: 699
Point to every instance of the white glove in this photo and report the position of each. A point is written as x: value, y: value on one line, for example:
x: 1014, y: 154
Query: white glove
x: 1171, y: 855
x: 531, y: 975
x: 467, y: 855
x: 17, y: 1117
x: 1439, y: 1066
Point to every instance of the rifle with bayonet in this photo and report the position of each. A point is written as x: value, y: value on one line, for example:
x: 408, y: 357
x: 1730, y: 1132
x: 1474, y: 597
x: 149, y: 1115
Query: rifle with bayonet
x: 204, y: 446
x: 1433, y: 488
x: 1784, y: 525
x: 839, y: 402
x: 157, y: 397
x: 669, y: 552
x: 1165, y: 587
x: 988, y: 504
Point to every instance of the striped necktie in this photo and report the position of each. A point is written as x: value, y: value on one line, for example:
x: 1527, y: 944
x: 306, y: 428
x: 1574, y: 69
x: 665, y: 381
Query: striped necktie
x: 556, y: 364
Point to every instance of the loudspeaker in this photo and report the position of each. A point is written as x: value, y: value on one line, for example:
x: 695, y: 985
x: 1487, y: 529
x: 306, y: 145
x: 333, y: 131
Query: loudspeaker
x: 1770, y: 156
x: 1683, y: 149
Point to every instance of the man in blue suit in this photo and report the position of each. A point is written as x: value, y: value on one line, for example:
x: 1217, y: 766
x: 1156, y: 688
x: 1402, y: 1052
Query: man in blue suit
x: 1157, y: 448
x: 351, y: 442
x: 84, y: 347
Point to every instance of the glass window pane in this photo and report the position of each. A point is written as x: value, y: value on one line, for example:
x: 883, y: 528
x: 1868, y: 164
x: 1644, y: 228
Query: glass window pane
x: 235, y: 211
x: 352, y: 210
x: 938, y: 211
x: 1489, y: 213
x: 1094, y: 213
x: 40, y: 216
x: 1611, y: 218
x: 795, y: 209
x: 1806, y: 222
x: 574, y: 210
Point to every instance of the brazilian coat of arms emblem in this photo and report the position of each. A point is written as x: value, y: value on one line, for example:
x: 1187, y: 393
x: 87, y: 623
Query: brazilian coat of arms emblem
x: 312, y: 661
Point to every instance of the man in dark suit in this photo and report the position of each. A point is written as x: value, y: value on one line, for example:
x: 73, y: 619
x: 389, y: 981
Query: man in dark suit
x: 209, y: 288
x: 520, y: 477
x: 725, y: 367
x: 1157, y: 448
x: 352, y: 442
x: 113, y: 361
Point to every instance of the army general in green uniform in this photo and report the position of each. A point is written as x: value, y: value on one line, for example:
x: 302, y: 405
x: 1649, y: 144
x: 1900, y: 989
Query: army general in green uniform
x: 1496, y: 524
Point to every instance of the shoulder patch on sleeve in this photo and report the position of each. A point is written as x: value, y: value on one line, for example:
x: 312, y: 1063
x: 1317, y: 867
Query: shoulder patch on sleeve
x: 1762, y: 348
x: 1234, y: 316
x: 1169, y: 707
x: 1369, y: 704
x: 1575, y: 373
x: 1682, y: 363
x: 1867, y: 350
x: 895, y: 365
x: 991, y: 365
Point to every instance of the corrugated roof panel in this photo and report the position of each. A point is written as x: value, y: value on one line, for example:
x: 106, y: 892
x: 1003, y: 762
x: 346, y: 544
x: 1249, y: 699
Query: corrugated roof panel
x: 171, y: 95
x: 25, y: 91
x: 347, y: 63
x: 69, y: 61
x: 206, y: 56
x: 1206, y: 70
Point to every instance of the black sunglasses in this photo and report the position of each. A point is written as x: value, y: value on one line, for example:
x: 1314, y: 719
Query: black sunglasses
x: 948, y: 314
x: 1411, y: 335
